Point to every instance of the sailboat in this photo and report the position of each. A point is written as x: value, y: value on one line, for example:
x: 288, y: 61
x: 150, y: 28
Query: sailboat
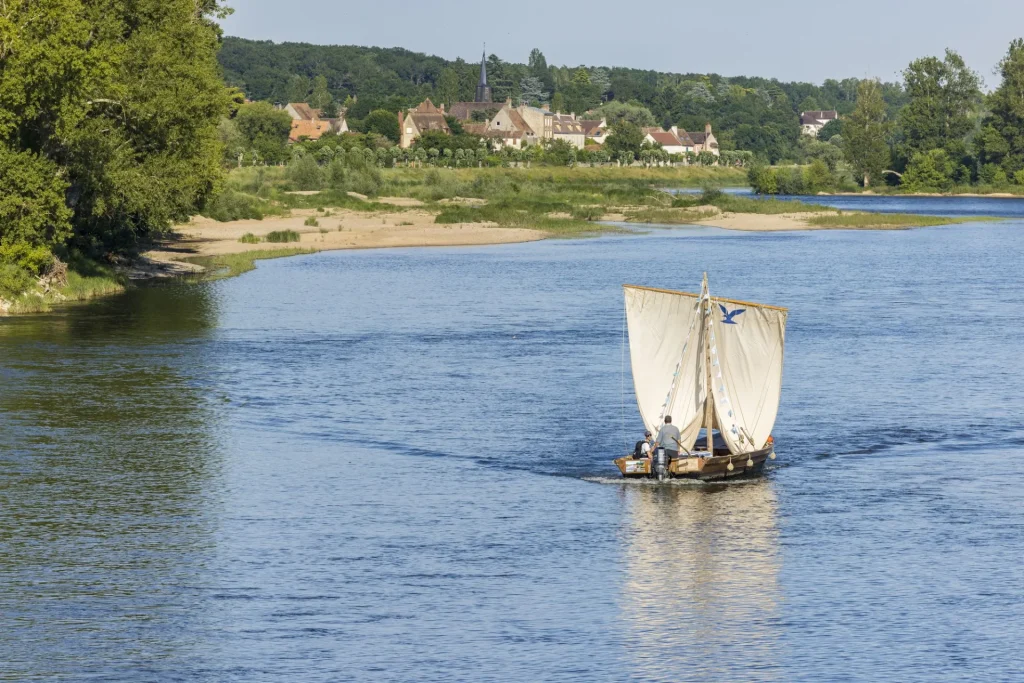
x: 712, y: 365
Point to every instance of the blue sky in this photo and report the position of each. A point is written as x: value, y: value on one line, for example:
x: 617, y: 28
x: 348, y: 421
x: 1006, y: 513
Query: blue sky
x: 787, y: 39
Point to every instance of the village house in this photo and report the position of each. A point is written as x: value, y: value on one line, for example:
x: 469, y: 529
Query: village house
x: 307, y: 122
x: 673, y: 140
x: 705, y: 142
x: 418, y: 121
x: 566, y: 127
x: 813, y: 121
x: 539, y: 119
x: 594, y: 131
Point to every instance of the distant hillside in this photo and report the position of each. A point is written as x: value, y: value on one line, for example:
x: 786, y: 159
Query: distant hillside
x: 758, y: 114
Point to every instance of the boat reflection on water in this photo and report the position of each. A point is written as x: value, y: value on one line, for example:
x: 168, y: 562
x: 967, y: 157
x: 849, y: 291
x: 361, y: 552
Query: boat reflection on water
x: 701, y: 592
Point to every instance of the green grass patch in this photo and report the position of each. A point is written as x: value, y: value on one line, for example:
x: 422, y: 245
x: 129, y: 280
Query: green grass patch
x: 230, y: 265
x: 311, y: 222
x: 734, y: 204
x: 669, y: 216
x: 532, y: 216
x: 889, y: 220
x: 279, y: 236
x: 86, y: 279
x: 249, y: 238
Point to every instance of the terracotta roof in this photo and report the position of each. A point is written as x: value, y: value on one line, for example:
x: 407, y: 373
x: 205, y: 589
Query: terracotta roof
x: 463, y: 111
x: 590, y: 127
x: 308, y: 129
x: 666, y: 138
x: 700, y: 138
x: 475, y: 128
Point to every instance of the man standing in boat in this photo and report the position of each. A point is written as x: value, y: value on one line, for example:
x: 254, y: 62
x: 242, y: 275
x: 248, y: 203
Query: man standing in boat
x: 669, y: 439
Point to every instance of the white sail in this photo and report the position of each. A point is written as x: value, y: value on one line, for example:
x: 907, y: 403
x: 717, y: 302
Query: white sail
x: 666, y: 351
x: 747, y: 343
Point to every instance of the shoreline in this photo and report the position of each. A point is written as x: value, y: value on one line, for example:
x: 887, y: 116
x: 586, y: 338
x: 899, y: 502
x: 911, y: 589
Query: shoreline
x: 340, y: 229
x: 196, y: 246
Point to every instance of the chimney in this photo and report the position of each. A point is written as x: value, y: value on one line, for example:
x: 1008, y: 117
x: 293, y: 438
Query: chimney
x: 707, y: 128
x: 546, y: 107
x: 675, y: 131
x: 509, y: 101
x: 442, y: 107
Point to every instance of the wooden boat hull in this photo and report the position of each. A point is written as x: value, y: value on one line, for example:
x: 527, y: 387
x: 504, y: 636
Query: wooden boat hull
x: 701, y: 466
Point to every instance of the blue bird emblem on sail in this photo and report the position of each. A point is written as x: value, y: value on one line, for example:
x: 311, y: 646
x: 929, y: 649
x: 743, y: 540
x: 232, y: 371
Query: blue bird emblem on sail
x: 730, y: 316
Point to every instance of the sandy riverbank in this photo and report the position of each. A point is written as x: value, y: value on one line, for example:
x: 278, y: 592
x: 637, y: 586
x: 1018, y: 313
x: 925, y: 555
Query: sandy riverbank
x: 342, y: 230
x: 756, y: 222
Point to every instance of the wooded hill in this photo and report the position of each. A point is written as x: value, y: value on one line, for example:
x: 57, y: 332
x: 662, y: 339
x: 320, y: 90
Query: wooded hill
x: 756, y: 114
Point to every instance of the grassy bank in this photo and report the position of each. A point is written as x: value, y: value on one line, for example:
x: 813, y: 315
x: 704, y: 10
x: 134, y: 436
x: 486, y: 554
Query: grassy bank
x: 876, y: 221
x: 85, y: 280
x: 230, y: 265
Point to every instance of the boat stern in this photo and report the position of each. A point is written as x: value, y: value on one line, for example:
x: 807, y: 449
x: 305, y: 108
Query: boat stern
x: 634, y: 468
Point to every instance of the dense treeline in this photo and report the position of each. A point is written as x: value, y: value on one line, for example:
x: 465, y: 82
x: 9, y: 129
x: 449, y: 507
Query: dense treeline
x: 950, y: 134
x: 108, y: 118
x: 755, y: 114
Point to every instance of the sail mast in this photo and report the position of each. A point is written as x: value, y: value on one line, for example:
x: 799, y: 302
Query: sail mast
x: 708, y: 402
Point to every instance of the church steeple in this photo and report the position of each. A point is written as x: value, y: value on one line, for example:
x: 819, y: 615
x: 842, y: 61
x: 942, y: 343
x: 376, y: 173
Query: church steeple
x: 483, y: 91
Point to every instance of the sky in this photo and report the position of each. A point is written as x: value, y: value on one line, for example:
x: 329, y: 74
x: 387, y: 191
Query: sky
x: 792, y: 40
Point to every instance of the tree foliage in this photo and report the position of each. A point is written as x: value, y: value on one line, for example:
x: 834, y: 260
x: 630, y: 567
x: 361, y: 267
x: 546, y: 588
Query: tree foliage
x: 944, y: 96
x: 625, y: 136
x: 383, y: 123
x: 118, y: 103
x: 1001, y: 142
x: 264, y: 130
x: 865, y: 134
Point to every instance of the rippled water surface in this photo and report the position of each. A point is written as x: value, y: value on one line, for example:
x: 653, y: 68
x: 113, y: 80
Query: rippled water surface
x: 395, y: 465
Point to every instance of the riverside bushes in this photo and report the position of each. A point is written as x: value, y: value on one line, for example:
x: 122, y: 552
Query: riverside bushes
x: 283, y: 236
x: 108, y: 123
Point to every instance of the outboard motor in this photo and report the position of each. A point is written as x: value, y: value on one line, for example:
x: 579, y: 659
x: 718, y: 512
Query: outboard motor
x: 660, y: 464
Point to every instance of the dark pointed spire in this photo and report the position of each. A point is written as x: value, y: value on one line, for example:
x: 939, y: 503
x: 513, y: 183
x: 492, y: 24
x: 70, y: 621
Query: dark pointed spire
x: 483, y: 91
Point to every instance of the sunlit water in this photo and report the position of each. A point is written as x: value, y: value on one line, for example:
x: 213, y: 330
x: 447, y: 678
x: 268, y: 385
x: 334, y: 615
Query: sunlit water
x: 395, y: 465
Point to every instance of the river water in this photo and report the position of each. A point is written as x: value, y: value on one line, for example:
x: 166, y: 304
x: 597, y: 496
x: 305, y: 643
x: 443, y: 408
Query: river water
x: 395, y: 465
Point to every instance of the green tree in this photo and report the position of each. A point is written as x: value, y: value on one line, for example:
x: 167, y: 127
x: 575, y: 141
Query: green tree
x: 944, y: 98
x: 383, y: 123
x: 448, y: 87
x: 818, y: 177
x: 557, y: 102
x: 538, y: 68
x: 625, y: 137
x: 264, y: 130
x: 321, y: 95
x: 532, y: 90
x: 928, y: 172
x: 614, y: 112
x: 830, y: 130
x: 1001, y: 141
x: 33, y: 215
x: 121, y: 101
x: 865, y: 133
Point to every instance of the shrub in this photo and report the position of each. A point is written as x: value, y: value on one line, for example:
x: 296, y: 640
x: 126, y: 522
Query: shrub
x: 762, y: 180
x: 231, y: 205
x: 283, y: 236
x: 305, y: 174
x: 312, y: 222
x: 1018, y: 177
x: 13, y: 280
x: 249, y: 238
